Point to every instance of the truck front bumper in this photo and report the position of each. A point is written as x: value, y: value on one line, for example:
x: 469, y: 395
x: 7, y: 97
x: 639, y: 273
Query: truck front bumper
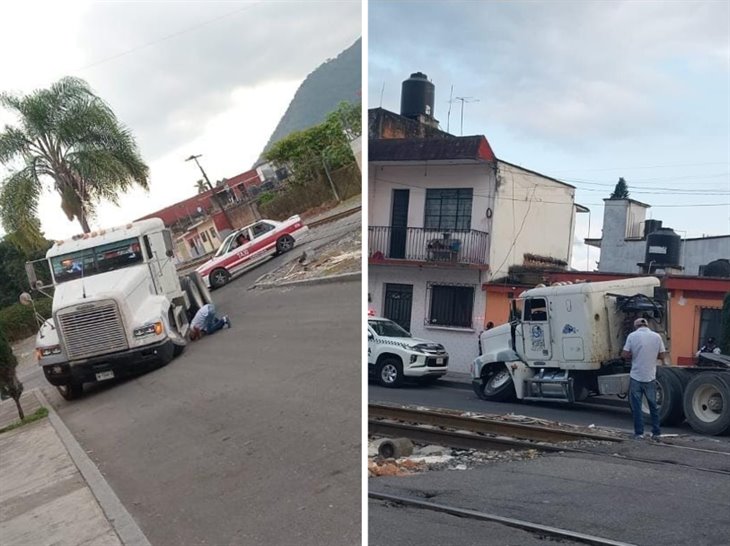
x: 122, y: 364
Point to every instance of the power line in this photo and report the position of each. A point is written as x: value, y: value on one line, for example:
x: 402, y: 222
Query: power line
x: 168, y: 37
x: 645, y: 167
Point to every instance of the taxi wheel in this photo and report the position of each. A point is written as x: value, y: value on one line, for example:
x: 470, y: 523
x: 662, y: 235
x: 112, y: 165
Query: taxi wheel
x: 219, y: 277
x: 284, y: 244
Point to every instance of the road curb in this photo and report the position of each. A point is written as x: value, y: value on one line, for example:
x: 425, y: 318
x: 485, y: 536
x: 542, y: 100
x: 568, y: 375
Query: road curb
x: 454, y: 384
x: 343, y: 277
x: 121, y: 521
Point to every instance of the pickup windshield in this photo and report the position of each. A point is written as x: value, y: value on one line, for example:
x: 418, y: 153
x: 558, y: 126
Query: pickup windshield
x: 93, y: 261
x: 388, y: 328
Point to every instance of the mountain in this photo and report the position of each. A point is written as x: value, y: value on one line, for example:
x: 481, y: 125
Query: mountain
x: 334, y: 81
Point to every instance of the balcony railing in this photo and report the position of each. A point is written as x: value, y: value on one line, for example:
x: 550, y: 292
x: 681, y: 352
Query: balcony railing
x: 428, y: 245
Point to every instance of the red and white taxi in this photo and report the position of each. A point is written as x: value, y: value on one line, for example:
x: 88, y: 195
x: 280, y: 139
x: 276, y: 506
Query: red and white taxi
x: 247, y: 246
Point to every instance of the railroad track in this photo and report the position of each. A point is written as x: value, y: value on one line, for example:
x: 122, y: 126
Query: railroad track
x: 535, y: 528
x: 334, y: 217
x: 387, y: 420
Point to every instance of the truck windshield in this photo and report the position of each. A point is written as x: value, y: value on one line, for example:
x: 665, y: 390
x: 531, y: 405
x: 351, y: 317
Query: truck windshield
x: 387, y: 328
x: 99, y: 259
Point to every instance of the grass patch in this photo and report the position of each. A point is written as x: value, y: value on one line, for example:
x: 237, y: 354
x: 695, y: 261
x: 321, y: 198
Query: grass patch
x: 40, y: 413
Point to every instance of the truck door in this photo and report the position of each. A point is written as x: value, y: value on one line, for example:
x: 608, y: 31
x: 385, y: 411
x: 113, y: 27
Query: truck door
x: 162, y: 265
x: 536, y: 329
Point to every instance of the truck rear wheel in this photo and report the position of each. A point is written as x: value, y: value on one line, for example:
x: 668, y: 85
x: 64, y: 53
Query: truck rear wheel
x: 71, y: 391
x: 669, y: 398
x: 707, y: 403
x: 496, y: 385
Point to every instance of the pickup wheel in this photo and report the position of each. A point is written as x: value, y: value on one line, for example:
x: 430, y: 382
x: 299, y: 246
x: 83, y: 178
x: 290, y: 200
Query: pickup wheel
x: 219, y: 277
x: 496, y: 385
x: 390, y: 372
x: 707, y: 403
x: 284, y: 244
x: 71, y: 391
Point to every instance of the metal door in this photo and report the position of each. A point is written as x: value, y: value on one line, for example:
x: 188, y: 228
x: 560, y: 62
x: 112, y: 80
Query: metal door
x: 398, y: 301
x: 399, y: 224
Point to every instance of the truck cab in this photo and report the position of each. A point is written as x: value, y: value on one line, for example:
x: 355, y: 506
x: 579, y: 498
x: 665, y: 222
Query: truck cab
x: 118, y: 305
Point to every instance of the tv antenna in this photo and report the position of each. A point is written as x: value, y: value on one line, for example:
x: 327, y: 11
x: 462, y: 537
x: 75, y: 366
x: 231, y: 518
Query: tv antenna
x: 463, y: 100
x: 382, y: 90
x: 451, y: 100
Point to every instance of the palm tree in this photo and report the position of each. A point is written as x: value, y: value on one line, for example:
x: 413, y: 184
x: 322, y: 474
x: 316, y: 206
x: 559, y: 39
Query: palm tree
x: 200, y: 186
x: 68, y: 138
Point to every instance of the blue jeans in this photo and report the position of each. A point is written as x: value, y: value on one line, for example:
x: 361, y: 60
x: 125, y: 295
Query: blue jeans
x: 212, y: 323
x: 637, y: 390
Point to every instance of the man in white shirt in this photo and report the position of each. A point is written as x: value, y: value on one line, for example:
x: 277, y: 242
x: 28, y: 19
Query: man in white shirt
x: 644, y: 347
x: 205, y: 322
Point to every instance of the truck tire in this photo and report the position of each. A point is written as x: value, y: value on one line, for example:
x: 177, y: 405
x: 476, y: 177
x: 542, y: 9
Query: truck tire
x: 390, y: 372
x: 196, y: 300
x: 219, y: 277
x: 202, y: 288
x: 496, y: 385
x: 669, y: 398
x: 707, y: 403
x: 71, y: 391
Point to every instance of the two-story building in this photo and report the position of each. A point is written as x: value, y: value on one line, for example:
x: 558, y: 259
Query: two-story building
x: 446, y: 216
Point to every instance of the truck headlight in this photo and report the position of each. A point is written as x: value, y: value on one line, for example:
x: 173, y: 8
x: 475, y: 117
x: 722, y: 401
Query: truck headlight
x: 149, y: 329
x: 42, y: 352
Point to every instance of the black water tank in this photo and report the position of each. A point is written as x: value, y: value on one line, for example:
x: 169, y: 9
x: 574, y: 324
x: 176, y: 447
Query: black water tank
x: 417, y: 96
x: 663, y: 248
x: 650, y: 226
x: 717, y: 268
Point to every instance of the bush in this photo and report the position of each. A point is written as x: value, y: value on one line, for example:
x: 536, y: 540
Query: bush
x: 18, y: 322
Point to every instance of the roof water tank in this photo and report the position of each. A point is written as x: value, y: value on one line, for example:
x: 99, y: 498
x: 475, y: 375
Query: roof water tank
x: 650, y: 226
x: 716, y: 268
x: 417, y: 96
x: 663, y: 248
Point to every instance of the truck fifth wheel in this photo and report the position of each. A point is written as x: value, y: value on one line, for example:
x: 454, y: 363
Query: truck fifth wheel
x: 563, y: 344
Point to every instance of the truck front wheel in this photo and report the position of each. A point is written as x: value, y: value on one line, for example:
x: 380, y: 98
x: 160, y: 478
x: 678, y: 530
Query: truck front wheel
x: 496, y: 385
x: 71, y: 391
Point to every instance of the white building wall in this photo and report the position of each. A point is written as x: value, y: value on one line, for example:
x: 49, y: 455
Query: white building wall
x: 383, y: 179
x: 532, y: 214
x: 697, y: 252
x: 461, y: 343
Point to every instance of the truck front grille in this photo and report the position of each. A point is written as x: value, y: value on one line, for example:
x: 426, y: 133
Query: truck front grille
x: 95, y: 329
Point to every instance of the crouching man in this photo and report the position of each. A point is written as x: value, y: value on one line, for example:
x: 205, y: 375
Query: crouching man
x: 205, y: 322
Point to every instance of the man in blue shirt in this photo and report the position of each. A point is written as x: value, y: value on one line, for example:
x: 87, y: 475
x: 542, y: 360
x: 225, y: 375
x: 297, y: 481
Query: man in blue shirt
x: 644, y: 347
x: 205, y: 322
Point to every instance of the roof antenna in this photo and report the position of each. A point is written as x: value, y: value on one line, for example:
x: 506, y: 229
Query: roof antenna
x: 451, y: 100
x: 463, y: 100
x: 382, y: 90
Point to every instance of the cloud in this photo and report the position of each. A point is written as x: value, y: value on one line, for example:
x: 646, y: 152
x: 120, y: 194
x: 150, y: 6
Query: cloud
x: 165, y: 91
x: 566, y: 70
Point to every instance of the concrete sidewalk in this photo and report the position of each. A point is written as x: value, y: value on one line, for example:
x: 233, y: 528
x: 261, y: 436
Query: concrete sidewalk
x: 51, y: 493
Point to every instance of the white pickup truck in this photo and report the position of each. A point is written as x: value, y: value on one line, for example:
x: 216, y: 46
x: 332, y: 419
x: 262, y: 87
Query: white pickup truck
x: 394, y: 355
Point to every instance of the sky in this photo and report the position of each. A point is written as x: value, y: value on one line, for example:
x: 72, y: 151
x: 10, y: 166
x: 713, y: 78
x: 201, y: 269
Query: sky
x: 585, y: 92
x: 210, y: 78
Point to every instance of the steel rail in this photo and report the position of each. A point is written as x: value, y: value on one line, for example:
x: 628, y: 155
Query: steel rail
x: 458, y: 440
x: 484, y: 426
x: 537, y: 528
x: 333, y: 217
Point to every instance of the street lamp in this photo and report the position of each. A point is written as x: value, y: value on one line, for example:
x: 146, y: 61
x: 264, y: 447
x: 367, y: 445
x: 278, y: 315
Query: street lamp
x: 213, y: 195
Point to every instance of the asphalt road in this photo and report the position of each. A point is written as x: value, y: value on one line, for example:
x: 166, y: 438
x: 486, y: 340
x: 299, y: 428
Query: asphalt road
x: 252, y: 436
x: 674, y: 496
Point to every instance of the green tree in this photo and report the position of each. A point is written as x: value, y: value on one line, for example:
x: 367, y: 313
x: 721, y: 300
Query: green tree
x: 13, y: 278
x: 725, y: 326
x: 304, y: 152
x: 68, y: 139
x: 10, y: 385
x: 621, y: 190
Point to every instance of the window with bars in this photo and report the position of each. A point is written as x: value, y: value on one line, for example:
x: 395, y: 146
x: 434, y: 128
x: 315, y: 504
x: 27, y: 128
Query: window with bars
x: 448, y: 209
x: 451, y: 305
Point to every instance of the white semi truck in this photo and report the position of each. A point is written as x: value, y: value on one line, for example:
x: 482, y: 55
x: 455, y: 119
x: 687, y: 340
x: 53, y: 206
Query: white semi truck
x: 564, y: 342
x: 119, y: 306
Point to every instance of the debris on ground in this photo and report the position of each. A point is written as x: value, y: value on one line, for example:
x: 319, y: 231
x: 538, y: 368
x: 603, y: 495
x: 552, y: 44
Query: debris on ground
x: 431, y: 457
x: 336, y: 258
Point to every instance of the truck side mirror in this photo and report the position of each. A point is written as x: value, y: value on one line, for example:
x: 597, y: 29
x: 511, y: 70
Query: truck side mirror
x: 30, y: 273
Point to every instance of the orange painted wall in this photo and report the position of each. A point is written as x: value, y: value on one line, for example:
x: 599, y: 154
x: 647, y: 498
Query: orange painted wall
x: 498, y: 305
x: 685, y: 327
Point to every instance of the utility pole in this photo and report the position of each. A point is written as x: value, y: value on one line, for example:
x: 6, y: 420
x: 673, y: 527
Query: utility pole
x: 213, y: 195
